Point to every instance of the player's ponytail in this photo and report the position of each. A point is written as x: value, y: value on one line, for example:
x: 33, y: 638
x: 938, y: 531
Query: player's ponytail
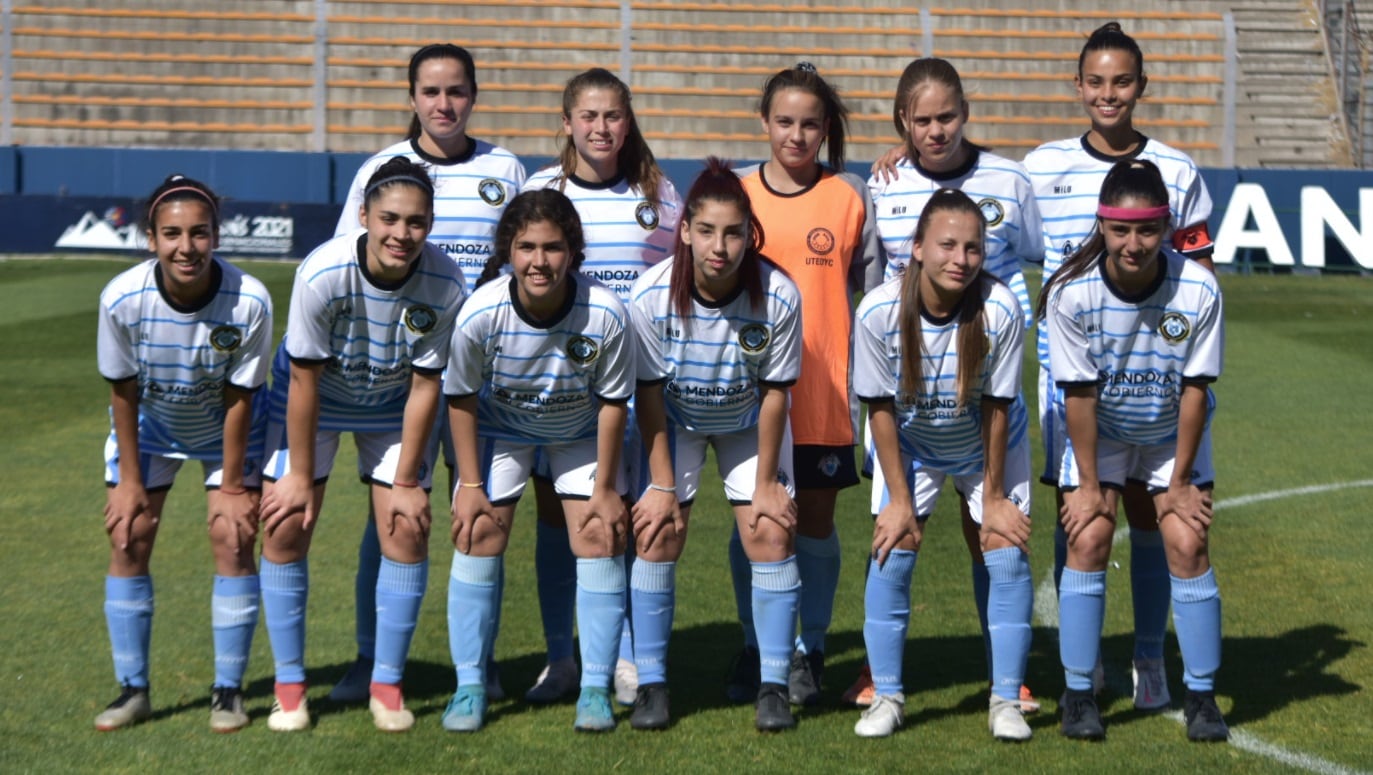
x: 804, y: 77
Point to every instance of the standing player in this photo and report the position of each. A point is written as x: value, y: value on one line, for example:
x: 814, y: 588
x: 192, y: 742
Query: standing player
x: 366, y: 341
x: 541, y: 363
x: 1067, y: 176
x: 937, y: 359
x: 473, y: 182
x: 629, y: 212
x: 821, y: 231
x: 1135, y: 339
x: 184, y: 341
x: 719, y: 334
x: 930, y: 113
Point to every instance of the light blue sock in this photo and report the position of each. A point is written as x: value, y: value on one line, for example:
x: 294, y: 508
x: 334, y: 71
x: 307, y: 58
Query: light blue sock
x: 600, y: 616
x: 1081, y: 610
x: 129, y: 618
x: 981, y: 585
x: 556, y: 571
x: 653, y: 592
x: 627, y: 632
x: 1196, y: 618
x: 400, y: 590
x: 742, y: 577
x: 473, y: 591
x: 1150, y: 591
x: 818, y: 561
x: 233, y: 615
x: 776, y: 592
x: 886, y: 616
x: 365, y: 590
x: 1010, y: 604
x: 285, y: 593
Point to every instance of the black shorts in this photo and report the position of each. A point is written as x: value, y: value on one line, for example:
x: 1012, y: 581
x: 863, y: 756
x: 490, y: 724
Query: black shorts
x: 819, y: 467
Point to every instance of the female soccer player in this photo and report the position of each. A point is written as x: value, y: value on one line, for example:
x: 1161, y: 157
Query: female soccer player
x: 821, y: 231
x: 1067, y: 176
x: 629, y: 212
x: 367, y: 338
x: 937, y: 359
x: 541, y: 364
x: 1135, y: 338
x: 930, y: 113
x: 473, y: 182
x: 719, y: 334
x: 184, y: 340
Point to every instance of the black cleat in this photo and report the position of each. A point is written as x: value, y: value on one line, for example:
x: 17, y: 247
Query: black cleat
x: 1081, y: 719
x: 650, y: 707
x: 1204, y: 722
x: 774, y: 711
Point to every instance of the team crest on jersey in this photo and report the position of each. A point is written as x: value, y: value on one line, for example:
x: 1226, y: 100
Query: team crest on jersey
x: 992, y: 211
x: 1067, y: 249
x: 492, y: 192
x: 582, y: 350
x: 1174, y: 327
x: 420, y: 319
x: 226, y: 339
x: 754, y: 338
x: 647, y: 216
x: 820, y: 240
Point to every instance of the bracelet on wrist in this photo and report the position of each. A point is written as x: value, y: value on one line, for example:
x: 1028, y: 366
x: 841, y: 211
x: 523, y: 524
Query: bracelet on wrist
x: 660, y: 488
x: 229, y: 491
x: 406, y: 484
x: 473, y: 485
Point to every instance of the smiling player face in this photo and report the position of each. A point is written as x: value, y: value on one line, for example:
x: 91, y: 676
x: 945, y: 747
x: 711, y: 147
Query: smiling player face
x: 540, y: 259
x: 398, y: 220
x: 598, y: 126
x: 1132, y: 247
x: 1109, y: 85
x: 950, y: 254
x: 182, y: 236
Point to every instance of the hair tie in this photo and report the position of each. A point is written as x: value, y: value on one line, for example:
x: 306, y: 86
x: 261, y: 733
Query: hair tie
x: 1132, y: 213
x: 806, y: 67
x: 214, y: 208
x: 367, y: 192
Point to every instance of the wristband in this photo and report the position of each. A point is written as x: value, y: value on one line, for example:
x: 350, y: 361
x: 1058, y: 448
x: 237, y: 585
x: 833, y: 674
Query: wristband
x: 660, y: 488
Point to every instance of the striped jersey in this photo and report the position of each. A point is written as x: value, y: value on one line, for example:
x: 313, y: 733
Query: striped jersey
x: 825, y: 238
x: 933, y: 428
x: 470, y: 193
x: 183, y: 357
x: 624, y: 233
x: 541, y: 382
x: 711, y: 363
x: 370, y: 335
x: 1000, y: 187
x: 1137, y: 351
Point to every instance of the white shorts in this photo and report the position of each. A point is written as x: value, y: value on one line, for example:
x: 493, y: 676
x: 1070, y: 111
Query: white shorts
x: 507, y: 465
x: 378, y: 455
x: 736, y: 457
x: 1053, y: 429
x: 1152, y: 464
x: 926, y: 482
x: 633, y: 462
x: 159, y: 470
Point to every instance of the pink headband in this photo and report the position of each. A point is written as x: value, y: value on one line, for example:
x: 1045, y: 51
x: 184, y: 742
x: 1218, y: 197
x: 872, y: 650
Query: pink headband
x: 214, y: 209
x: 1132, y: 213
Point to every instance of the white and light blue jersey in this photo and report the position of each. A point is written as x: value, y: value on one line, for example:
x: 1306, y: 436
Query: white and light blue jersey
x: 370, y: 335
x: 1002, y: 190
x: 183, y: 357
x: 624, y: 233
x: 933, y: 428
x: 541, y: 382
x: 1137, y: 351
x: 470, y: 194
x: 712, y: 363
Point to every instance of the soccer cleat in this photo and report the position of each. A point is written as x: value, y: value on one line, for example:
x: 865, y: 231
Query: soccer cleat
x: 290, y: 710
x: 389, y: 713
x: 1151, y: 684
x: 650, y: 707
x: 130, y: 707
x: 1028, y: 703
x: 862, y: 691
x: 352, y: 687
x: 226, y: 709
x: 884, y: 716
x: 1081, y: 719
x: 773, y: 710
x: 803, y: 680
x: 593, y: 710
x: 626, y: 682
x: 1204, y: 721
x: 466, y: 712
x: 1006, y: 721
x: 742, y: 685
x: 558, y: 679
x: 494, y: 691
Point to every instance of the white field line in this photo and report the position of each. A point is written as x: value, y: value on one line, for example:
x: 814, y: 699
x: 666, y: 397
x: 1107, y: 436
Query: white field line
x: 1046, y: 613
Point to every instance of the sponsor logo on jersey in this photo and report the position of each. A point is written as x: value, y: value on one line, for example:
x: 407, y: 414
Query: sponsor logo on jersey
x: 820, y: 240
x: 646, y: 216
x: 1174, y: 327
x: 1063, y: 189
x: 491, y: 191
x: 992, y: 211
x: 754, y: 338
x: 898, y: 210
x: 582, y: 350
x: 226, y: 339
x: 421, y: 319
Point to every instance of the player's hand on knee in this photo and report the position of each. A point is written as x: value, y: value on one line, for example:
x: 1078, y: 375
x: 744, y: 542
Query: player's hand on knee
x: 772, y: 501
x: 124, y: 503
x: 655, y: 512
x: 1190, y: 504
x: 469, y: 505
x: 290, y: 495
x: 1001, y: 517
x: 1080, y: 507
x: 408, y: 505
x: 238, y: 514
x: 896, y: 525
